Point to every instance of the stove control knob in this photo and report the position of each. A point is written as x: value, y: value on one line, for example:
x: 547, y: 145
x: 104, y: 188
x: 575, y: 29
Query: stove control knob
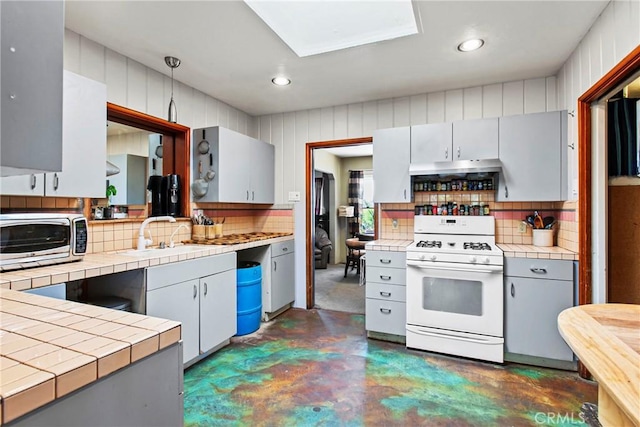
x: 421, y: 257
x: 487, y: 260
x: 473, y: 259
x: 433, y: 258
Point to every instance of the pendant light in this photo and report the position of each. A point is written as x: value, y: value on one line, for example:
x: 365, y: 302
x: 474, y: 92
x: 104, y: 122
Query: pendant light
x: 172, y: 62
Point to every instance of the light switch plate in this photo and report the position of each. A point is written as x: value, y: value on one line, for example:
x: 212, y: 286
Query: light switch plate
x: 294, y: 196
x: 394, y: 224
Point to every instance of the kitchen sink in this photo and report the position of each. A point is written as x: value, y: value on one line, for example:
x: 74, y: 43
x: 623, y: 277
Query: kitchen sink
x: 177, y: 250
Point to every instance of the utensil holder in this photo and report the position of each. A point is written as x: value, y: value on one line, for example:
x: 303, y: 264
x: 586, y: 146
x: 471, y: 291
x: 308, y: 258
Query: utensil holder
x: 542, y: 237
x: 198, y: 232
x: 210, y: 231
x: 218, y: 230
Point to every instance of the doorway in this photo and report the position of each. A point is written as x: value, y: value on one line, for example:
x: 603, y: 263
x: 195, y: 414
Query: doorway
x: 336, y: 225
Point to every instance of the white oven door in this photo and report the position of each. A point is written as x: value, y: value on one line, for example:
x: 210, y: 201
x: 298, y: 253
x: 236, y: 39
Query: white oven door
x: 455, y: 297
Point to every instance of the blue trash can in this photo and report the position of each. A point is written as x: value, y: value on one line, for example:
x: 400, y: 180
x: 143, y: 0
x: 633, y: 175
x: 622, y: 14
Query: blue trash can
x: 249, y: 275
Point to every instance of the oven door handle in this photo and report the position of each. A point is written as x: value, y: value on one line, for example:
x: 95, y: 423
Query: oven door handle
x: 455, y: 267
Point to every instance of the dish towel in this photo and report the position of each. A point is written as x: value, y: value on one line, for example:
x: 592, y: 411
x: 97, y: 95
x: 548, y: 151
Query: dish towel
x: 363, y: 269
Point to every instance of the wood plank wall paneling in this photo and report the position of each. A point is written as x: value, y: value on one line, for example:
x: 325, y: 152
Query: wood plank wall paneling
x: 133, y: 85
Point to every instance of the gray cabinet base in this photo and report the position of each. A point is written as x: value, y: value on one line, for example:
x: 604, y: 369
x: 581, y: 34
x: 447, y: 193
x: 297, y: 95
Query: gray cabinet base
x: 541, y: 361
x: 146, y: 393
x: 386, y: 337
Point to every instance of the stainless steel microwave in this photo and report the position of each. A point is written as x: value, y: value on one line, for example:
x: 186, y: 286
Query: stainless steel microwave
x: 34, y: 240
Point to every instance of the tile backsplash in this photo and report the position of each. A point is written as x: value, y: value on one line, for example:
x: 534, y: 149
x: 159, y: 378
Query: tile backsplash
x: 508, y: 216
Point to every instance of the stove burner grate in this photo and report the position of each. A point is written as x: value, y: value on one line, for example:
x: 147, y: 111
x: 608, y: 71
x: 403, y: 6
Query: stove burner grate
x: 429, y: 244
x: 476, y: 246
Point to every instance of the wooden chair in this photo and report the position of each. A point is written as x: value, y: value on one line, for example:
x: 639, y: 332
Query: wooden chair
x: 355, y: 250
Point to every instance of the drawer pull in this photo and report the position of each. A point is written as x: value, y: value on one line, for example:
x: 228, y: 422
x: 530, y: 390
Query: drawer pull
x: 385, y: 261
x: 33, y: 181
x: 285, y: 249
x: 385, y: 294
x: 538, y: 270
x: 385, y: 310
x: 195, y: 291
x: 385, y: 277
x: 513, y: 290
x: 205, y: 288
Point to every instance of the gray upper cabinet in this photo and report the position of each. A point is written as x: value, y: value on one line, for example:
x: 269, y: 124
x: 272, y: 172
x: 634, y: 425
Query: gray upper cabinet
x: 244, y: 167
x: 431, y: 143
x: 32, y: 37
x: 391, y: 155
x: 533, y: 152
x: 84, y: 116
x: 475, y: 139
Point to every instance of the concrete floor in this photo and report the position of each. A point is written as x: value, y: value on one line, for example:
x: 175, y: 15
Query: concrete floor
x: 316, y: 367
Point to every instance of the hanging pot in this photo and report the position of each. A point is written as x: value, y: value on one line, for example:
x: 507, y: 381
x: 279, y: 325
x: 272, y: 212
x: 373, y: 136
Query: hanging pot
x: 199, y: 187
x: 203, y: 146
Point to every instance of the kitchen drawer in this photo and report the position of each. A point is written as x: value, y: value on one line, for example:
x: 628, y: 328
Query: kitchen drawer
x: 389, y: 317
x: 282, y: 248
x: 177, y: 272
x: 386, y: 292
x: 386, y: 259
x: 539, y: 268
x: 395, y: 276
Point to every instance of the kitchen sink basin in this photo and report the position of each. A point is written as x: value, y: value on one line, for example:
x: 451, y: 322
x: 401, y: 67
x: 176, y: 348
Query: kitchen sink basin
x: 177, y: 250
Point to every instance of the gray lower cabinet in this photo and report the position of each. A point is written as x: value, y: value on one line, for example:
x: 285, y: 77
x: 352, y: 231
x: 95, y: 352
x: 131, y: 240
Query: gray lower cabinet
x: 385, y: 310
x: 535, y: 293
x: 199, y: 293
x: 281, y: 291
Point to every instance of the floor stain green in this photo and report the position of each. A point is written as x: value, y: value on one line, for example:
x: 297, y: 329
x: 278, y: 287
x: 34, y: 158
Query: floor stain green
x: 317, y: 368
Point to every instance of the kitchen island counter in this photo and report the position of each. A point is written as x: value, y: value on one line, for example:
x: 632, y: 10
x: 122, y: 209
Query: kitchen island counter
x: 605, y: 338
x: 50, y: 348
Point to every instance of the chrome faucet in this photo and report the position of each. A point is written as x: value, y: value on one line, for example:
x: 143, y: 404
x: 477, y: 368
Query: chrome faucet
x: 142, y: 242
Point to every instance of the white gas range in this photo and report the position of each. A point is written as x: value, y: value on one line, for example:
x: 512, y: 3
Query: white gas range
x: 455, y: 287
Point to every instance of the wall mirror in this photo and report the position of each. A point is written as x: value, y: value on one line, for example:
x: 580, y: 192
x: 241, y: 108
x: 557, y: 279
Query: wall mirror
x: 146, y: 145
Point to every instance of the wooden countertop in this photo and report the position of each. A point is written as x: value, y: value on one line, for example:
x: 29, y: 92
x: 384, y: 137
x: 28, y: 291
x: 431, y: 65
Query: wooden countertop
x: 99, y: 264
x: 536, y: 252
x: 51, y: 347
x: 388, y: 245
x: 606, y: 338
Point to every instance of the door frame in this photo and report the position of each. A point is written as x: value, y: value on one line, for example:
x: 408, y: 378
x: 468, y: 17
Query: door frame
x: 310, y: 146
x: 618, y: 75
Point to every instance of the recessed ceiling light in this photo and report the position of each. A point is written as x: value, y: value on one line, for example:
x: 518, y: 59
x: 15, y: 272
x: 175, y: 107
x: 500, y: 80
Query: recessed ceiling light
x: 280, y: 81
x: 469, y: 45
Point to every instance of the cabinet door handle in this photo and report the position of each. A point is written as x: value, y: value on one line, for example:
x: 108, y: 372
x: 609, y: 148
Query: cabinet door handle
x: 33, y: 181
x: 253, y: 195
x: 247, y: 194
x: 385, y: 261
x: 385, y: 277
x: 56, y: 181
x: 385, y: 294
x: 405, y: 194
x: 458, y: 152
x: 506, y: 192
x: 538, y: 270
x: 513, y: 290
x: 446, y: 153
x: 195, y: 291
x: 205, y: 288
x: 275, y: 265
x: 385, y: 310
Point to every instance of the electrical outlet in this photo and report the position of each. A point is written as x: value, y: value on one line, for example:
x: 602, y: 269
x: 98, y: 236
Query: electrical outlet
x: 394, y: 224
x: 294, y: 196
x: 522, y: 227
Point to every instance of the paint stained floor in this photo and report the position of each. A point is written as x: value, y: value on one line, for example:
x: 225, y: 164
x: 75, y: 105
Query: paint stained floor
x: 316, y: 367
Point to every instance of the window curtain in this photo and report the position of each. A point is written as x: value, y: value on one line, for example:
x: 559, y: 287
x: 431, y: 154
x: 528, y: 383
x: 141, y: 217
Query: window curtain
x: 355, y: 194
x: 319, y: 207
x: 622, y: 137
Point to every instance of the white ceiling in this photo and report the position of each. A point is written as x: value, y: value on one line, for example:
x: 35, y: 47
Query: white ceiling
x: 228, y: 52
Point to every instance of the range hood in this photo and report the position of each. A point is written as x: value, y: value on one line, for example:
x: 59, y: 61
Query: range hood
x: 456, y: 167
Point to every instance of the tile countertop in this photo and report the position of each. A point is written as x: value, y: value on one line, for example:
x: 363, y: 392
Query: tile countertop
x: 388, y: 245
x: 537, y: 252
x: 51, y: 347
x: 99, y: 264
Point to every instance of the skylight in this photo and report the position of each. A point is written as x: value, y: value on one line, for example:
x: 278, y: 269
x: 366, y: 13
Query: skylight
x: 314, y: 27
